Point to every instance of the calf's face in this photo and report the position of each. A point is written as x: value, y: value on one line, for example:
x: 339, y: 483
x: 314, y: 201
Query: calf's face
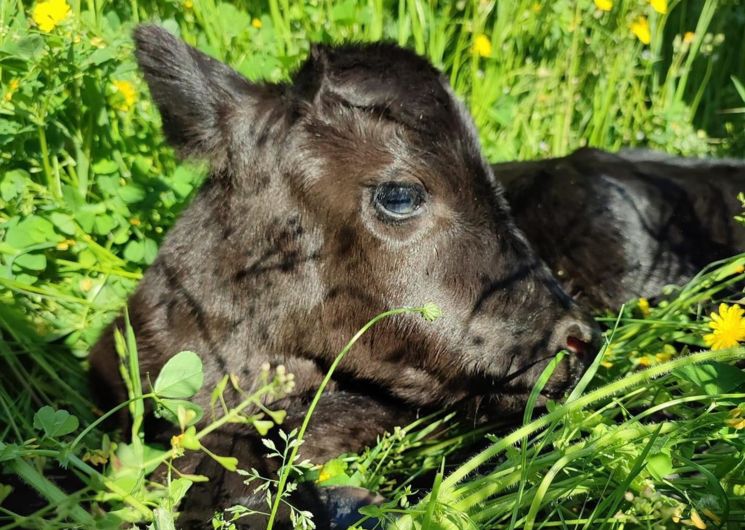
x: 357, y: 187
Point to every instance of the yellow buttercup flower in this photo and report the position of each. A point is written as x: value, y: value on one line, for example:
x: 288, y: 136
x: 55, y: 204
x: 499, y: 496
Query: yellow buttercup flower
x: 49, y: 13
x: 604, y: 5
x: 12, y: 87
x: 728, y: 327
x: 646, y: 361
x: 695, y: 520
x: 66, y: 244
x: 128, y: 95
x: 640, y: 28
x: 177, y: 444
x: 482, y: 46
x: 663, y: 357
x: 256, y: 23
x: 644, y: 306
x: 736, y: 420
x: 659, y: 5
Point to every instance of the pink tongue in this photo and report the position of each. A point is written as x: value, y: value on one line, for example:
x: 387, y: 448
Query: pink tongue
x: 577, y: 346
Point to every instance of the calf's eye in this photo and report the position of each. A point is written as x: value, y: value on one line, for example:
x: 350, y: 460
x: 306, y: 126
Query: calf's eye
x: 398, y: 200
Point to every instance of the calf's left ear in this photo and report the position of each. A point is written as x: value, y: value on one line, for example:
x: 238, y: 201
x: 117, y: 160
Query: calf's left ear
x: 198, y: 96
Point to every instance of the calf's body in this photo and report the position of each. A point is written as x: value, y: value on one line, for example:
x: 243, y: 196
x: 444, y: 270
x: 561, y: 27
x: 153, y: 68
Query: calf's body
x: 613, y: 227
x: 355, y: 188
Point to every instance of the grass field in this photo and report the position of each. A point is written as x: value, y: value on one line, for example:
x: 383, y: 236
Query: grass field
x: 654, y: 437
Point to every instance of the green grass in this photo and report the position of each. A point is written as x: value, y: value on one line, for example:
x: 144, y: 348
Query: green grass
x: 88, y: 188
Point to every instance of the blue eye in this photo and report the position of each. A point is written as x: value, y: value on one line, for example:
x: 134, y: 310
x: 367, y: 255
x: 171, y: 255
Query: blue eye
x: 398, y: 200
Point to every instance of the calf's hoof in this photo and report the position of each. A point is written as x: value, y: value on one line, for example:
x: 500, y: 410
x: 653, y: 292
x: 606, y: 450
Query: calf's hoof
x: 343, y: 503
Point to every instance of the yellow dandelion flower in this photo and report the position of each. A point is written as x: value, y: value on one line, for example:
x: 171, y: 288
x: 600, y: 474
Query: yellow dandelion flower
x: 49, y: 13
x: 256, y: 23
x: 482, y: 46
x: 97, y: 457
x: 740, y: 268
x: 604, y: 5
x: 644, y: 306
x: 728, y: 327
x: 663, y: 357
x: 735, y: 420
x: 128, y: 94
x: 12, y: 87
x: 606, y: 364
x: 640, y: 28
x: 177, y: 444
x: 66, y: 244
x: 659, y: 5
x: 86, y: 284
x: 188, y: 4
x: 646, y: 361
x: 696, y: 521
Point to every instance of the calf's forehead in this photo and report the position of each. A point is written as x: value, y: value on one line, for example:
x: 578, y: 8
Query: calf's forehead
x: 368, y: 146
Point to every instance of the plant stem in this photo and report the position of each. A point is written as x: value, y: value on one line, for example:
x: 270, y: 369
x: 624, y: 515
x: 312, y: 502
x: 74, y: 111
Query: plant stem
x: 287, y: 467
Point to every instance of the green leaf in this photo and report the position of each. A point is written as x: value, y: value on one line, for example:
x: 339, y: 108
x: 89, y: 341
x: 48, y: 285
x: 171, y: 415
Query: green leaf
x: 177, y: 489
x: 712, y: 378
x: 13, y: 183
x: 169, y: 410
x: 149, y: 251
x: 263, y: 426
x: 228, y: 462
x: 190, y: 440
x: 739, y: 87
x: 32, y: 261
x: 660, y: 465
x: 181, y: 377
x: 9, y: 452
x: 105, y: 167
x: 134, y: 252
x: 128, y: 465
x: 333, y: 473
x: 131, y: 193
x: 30, y: 231
x: 26, y: 48
x: 101, y: 56
x: 63, y: 222
x: 55, y: 423
x: 104, y: 224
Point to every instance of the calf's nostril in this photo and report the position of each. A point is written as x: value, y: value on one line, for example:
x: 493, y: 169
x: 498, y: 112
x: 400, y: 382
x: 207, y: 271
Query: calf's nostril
x: 578, y: 337
x: 578, y: 347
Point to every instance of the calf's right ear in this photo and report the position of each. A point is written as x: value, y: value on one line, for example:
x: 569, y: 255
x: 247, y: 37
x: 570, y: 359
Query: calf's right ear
x: 198, y: 96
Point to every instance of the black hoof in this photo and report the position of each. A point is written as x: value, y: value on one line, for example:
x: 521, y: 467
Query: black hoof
x: 343, y: 504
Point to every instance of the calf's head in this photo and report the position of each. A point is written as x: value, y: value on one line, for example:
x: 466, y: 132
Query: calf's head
x: 357, y: 187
